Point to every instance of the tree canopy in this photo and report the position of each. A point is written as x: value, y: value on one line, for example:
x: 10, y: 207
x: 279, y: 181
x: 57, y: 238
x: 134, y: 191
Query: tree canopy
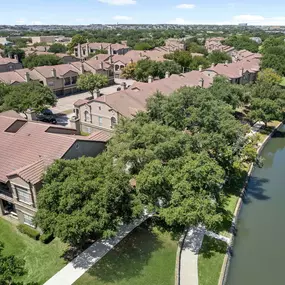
x: 92, y: 82
x: 14, y: 51
x: 242, y: 42
x: 35, y: 60
x: 176, y: 160
x: 57, y: 48
x: 31, y: 95
x: 219, y: 57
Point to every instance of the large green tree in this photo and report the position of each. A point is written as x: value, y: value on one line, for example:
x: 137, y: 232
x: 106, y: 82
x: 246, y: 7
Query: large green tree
x: 57, y: 48
x: 219, y: 57
x: 35, y: 60
x: 31, y: 95
x: 92, y: 82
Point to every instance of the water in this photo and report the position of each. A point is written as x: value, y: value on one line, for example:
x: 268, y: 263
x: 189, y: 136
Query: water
x: 259, y: 249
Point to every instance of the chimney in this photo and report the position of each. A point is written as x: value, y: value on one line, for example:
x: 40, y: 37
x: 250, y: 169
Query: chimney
x: 226, y: 62
x: 131, y: 61
x: 150, y: 79
x: 213, y: 65
x: 110, y: 50
x: 101, y: 47
x: 201, y: 81
x: 97, y: 93
x: 124, y: 86
x: 87, y: 49
x: 96, y: 57
x: 82, y: 68
x: 27, y: 77
x: 141, y: 54
x: 45, y: 48
x: 53, y: 72
x: 79, y: 52
x: 167, y: 74
x: 101, y: 65
x: 16, y: 57
x: 75, y: 123
x: 9, y: 55
x: 111, y: 60
x: 200, y: 68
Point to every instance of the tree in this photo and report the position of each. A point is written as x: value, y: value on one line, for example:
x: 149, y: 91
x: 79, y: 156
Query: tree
x: 168, y: 66
x: 268, y: 102
x: 129, y: 71
x: 198, y: 61
x: 31, y: 95
x: 268, y: 75
x: 144, y: 69
x: 76, y: 39
x: 57, y: 48
x: 14, y: 51
x: 142, y: 46
x: 196, y: 48
x: 84, y: 198
x: 4, y: 90
x: 219, y: 57
x: 242, y: 42
x: 183, y: 58
x: 91, y: 82
x: 274, y: 58
x: 10, y: 268
x: 35, y: 60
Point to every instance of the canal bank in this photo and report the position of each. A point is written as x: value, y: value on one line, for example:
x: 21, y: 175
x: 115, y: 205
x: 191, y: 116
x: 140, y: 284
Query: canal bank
x: 258, y: 224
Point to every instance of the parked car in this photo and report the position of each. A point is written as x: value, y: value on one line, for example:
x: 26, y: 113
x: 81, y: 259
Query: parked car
x: 47, y: 116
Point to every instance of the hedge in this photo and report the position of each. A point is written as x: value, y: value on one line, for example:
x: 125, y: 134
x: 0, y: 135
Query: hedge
x: 46, y: 238
x: 25, y: 229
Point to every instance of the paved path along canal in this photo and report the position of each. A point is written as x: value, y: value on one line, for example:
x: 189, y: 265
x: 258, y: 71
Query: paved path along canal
x: 259, y: 249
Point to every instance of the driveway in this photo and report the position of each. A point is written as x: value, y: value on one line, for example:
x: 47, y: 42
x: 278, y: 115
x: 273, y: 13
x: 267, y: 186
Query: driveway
x: 65, y: 104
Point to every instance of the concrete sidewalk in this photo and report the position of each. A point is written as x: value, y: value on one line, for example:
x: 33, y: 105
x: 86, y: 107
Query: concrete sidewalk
x: 189, y: 256
x: 76, y: 268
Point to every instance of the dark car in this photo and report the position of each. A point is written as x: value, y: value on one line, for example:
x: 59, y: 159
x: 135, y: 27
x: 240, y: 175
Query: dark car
x: 47, y: 116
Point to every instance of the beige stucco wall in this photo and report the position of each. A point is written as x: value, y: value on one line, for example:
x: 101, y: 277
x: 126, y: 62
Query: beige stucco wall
x: 96, y: 110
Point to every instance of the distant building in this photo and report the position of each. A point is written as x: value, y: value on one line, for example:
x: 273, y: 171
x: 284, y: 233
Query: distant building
x: 9, y: 64
x: 257, y: 40
x: 242, y: 24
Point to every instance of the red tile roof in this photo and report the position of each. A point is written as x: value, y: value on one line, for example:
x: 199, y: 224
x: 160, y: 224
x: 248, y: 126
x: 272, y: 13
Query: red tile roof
x: 28, y: 150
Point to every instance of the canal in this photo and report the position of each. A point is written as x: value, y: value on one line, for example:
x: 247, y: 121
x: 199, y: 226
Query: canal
x: 259, y: 248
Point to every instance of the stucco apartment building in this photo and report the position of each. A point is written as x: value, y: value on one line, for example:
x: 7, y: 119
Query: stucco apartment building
x: 62, y: 78
x: 9, y: 64
x: 27, y: 149
x: 84, y: 50
x: 105, y: 112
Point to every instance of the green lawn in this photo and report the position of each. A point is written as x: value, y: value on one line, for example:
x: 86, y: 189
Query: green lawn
x: 210, y: 260
x: 42, y: 261
x: 143, y: 258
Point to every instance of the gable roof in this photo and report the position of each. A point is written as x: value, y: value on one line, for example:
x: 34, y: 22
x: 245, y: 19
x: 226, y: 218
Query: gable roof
x: 31, y: 148
x: 128, y: 102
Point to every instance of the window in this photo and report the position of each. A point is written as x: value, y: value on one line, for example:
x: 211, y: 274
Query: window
x: 113, y: 122
x: 73, y: 79
x: 67, y: 81
x: 24, y: 194
x: 87, y: 116
x: 100, y: 121
x: 28, y: 220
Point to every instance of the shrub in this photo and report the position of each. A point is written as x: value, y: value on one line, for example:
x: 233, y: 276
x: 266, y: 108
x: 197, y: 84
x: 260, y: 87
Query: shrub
x: 46, y: 238
x: 25, y: 229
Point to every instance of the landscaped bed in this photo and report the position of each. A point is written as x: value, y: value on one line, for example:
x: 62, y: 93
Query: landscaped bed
x: 210, y: 260
x: 144, y: 257
x: 42, y: 260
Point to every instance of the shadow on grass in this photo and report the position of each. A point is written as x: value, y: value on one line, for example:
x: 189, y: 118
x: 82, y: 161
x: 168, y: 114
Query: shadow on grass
x: 211, y: 246
x: 127, y: 259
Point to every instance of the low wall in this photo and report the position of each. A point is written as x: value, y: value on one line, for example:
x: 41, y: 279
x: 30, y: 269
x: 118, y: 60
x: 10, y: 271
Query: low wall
x: 227, y: 259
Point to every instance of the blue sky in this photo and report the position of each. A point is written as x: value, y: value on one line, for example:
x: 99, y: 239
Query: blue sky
x: 261, y: 12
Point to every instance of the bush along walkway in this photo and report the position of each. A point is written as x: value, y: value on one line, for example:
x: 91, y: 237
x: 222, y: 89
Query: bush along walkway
x: 77, y: 267
x: 188, y: 273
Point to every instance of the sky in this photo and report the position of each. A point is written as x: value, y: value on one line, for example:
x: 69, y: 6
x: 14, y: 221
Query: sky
x: 83, y: 12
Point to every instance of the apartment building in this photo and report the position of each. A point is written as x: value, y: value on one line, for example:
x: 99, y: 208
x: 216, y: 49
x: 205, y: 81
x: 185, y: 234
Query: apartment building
x: 9, y: 64
x: 28, y: 148
x: 240, y: 72
x: 62, y: 78
x: 84, y: 50
x: 105, y: 112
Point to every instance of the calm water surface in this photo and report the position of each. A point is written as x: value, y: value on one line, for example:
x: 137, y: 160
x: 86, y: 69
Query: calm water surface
x: 259, y: 249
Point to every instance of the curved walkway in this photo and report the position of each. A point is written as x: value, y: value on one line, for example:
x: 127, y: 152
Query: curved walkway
x: 84, y: 261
